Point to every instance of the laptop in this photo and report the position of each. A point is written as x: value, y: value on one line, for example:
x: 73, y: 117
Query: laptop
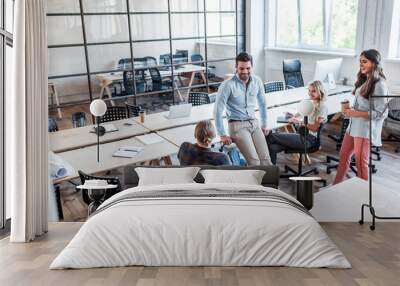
x: 179, y: 111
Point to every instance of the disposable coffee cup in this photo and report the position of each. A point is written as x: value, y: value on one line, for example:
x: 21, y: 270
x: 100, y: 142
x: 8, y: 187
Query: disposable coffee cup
x: 141, y: 116
x: 345, y: 104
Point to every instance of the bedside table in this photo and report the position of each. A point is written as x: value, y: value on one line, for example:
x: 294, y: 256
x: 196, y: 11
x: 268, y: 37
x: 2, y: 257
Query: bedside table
x: 304, y: 190
x: 96, y: 195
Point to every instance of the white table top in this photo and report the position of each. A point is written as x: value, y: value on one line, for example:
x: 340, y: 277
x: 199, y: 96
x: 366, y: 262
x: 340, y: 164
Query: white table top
x: 85, y: 159
x: 74, y: 138
x: 118, y: 76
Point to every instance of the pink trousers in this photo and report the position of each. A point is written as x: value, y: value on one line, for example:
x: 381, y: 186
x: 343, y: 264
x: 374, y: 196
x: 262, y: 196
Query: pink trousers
x: 359, y: 147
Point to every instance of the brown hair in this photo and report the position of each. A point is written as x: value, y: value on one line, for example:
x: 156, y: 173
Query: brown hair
x: 367, y: 84
x: 204, y: 132
x: 244, y: 57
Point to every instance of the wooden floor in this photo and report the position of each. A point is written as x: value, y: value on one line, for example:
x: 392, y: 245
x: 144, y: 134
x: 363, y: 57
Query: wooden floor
x: 374, y: 255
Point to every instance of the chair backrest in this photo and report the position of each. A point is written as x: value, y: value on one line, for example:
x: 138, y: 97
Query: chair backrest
x: 156, y: 79
x: 129, y: 85
x: 125, y: 63
x: 110, y: 180
x: 114, y: 113
x: 183, y: 54
x: 78, y: 119
x: 394, y: 109
x: 272, y: 86
x: 52, y: 127
x: 132, y: 110
x: 165, y: 59
x: 198, y: 98
x: 151, y: 61
x: 292, y: 73
x: 197, y: 58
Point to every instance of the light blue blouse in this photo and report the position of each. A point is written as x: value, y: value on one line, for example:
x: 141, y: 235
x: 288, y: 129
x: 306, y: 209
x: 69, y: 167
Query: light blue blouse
x: 359, y: 127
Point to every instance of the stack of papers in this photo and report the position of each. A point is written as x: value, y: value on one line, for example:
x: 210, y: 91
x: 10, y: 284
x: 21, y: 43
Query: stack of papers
x: 150, y: 138
x: 127, y: 152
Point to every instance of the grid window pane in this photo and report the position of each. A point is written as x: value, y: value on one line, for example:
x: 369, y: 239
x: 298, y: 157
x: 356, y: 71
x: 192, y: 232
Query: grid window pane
x: 149, y: 27
x: 186, y: 5
x: 287, y: 23
x: 151, y: 49
x: 148, y: 5
x: 93, y: 6
x: 220, y: 5
x: 187, y: 25
x: 312, y: 28
x: 106, y: 57
x: 62, y: 6
x: 65, y: 61
x: 106, y: 28
x: 71, y: 88
x: 63, y: 30
x: 344, y: 24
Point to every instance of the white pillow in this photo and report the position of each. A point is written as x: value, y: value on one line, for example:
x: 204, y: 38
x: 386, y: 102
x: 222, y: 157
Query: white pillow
x: 166, y: 176
x: 248, y: 177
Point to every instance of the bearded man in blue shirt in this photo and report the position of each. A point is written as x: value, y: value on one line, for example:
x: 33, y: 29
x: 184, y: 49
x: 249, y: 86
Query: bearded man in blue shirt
x: 238, y: 96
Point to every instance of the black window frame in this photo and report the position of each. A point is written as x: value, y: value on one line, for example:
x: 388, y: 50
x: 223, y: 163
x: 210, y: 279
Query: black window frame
x: 239, y: 45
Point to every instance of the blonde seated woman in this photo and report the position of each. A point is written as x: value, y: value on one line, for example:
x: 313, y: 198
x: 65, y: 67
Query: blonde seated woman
x: 278, y: 142
x: 200, y: 153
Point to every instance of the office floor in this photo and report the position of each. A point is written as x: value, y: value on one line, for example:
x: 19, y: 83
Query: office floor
x: 375, y: 259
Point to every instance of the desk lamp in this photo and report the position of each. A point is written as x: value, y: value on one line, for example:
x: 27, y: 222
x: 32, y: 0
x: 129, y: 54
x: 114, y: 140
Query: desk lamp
x: 98, y: 108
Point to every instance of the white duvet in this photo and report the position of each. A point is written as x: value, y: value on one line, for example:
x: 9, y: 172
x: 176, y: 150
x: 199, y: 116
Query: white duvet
x: 207, y: 231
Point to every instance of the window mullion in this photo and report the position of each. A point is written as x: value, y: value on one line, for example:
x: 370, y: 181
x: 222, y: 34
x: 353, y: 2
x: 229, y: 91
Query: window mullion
x: 299, y: 19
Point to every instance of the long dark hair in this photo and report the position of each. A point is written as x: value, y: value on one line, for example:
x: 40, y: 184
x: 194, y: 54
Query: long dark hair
x: 369, y: 87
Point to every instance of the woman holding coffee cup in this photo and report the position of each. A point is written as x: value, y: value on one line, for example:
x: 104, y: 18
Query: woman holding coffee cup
x: 370, y: 82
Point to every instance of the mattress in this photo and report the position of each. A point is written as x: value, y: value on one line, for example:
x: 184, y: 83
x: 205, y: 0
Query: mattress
x: 201, y: 225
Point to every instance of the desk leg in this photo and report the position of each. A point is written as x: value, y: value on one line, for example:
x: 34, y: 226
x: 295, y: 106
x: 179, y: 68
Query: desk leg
x: 190, y: 84
x: 178, y: 92
x: 109, y: 95
x: 97, y: 197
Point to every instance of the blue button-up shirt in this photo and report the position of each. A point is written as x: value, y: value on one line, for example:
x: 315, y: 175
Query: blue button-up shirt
x: 239, y: 101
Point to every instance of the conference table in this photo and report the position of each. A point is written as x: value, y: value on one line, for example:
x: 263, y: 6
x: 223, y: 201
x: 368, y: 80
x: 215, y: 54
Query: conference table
x: 106, y: 79
x: 81, y: 156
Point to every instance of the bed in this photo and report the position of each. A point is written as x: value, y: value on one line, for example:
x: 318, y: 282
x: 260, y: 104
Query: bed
x: 202, y: 224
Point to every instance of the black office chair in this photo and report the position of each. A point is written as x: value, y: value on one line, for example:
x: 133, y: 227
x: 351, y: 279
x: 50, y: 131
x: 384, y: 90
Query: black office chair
x: 165, y: 59
x: 301, y: 151
x: 78, y: 119
x: 110, y: 180
x: 158, y: 84
x: 52, y: 125
x: 125, y: 64
x: 129, y: 87
x: 393, y: 122
x: 132, y: 110
x: 198, y: 98
x: 114, y: 113
x: 273, y: 86
x: 198, y: 60
x: 183, y: 54
x: 151, y: 62
x: 292, y: 73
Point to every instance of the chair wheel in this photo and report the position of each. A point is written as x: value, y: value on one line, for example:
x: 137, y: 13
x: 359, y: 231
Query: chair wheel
x: 361, y: 222
x: 372, y: 227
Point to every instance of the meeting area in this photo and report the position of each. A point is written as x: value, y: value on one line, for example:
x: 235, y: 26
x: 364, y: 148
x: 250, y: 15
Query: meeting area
x: 154, y: 142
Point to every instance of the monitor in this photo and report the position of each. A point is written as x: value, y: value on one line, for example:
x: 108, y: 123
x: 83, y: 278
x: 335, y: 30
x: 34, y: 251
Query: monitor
x: 328, y: 71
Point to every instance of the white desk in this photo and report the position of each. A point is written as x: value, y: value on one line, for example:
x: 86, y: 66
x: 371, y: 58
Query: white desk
x: 106, y: 79
x: 85, y: 159
x: 74, y: 138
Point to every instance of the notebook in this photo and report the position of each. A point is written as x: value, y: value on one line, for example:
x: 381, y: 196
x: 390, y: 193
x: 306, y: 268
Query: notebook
x: 127, y: 152
x: 150, y: 138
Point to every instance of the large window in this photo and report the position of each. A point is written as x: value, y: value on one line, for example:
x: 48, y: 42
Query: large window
x: 6, y: 41
x: 316, y: 24
x: 93, y: 43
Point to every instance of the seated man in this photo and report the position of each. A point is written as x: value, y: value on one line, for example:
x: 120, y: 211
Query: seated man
x: 200, y: 153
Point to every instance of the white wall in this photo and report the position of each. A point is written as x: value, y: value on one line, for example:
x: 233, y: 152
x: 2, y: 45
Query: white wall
x: 373, y: 31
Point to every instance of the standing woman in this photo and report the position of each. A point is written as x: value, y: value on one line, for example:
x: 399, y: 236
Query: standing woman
x: 370, y: 82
